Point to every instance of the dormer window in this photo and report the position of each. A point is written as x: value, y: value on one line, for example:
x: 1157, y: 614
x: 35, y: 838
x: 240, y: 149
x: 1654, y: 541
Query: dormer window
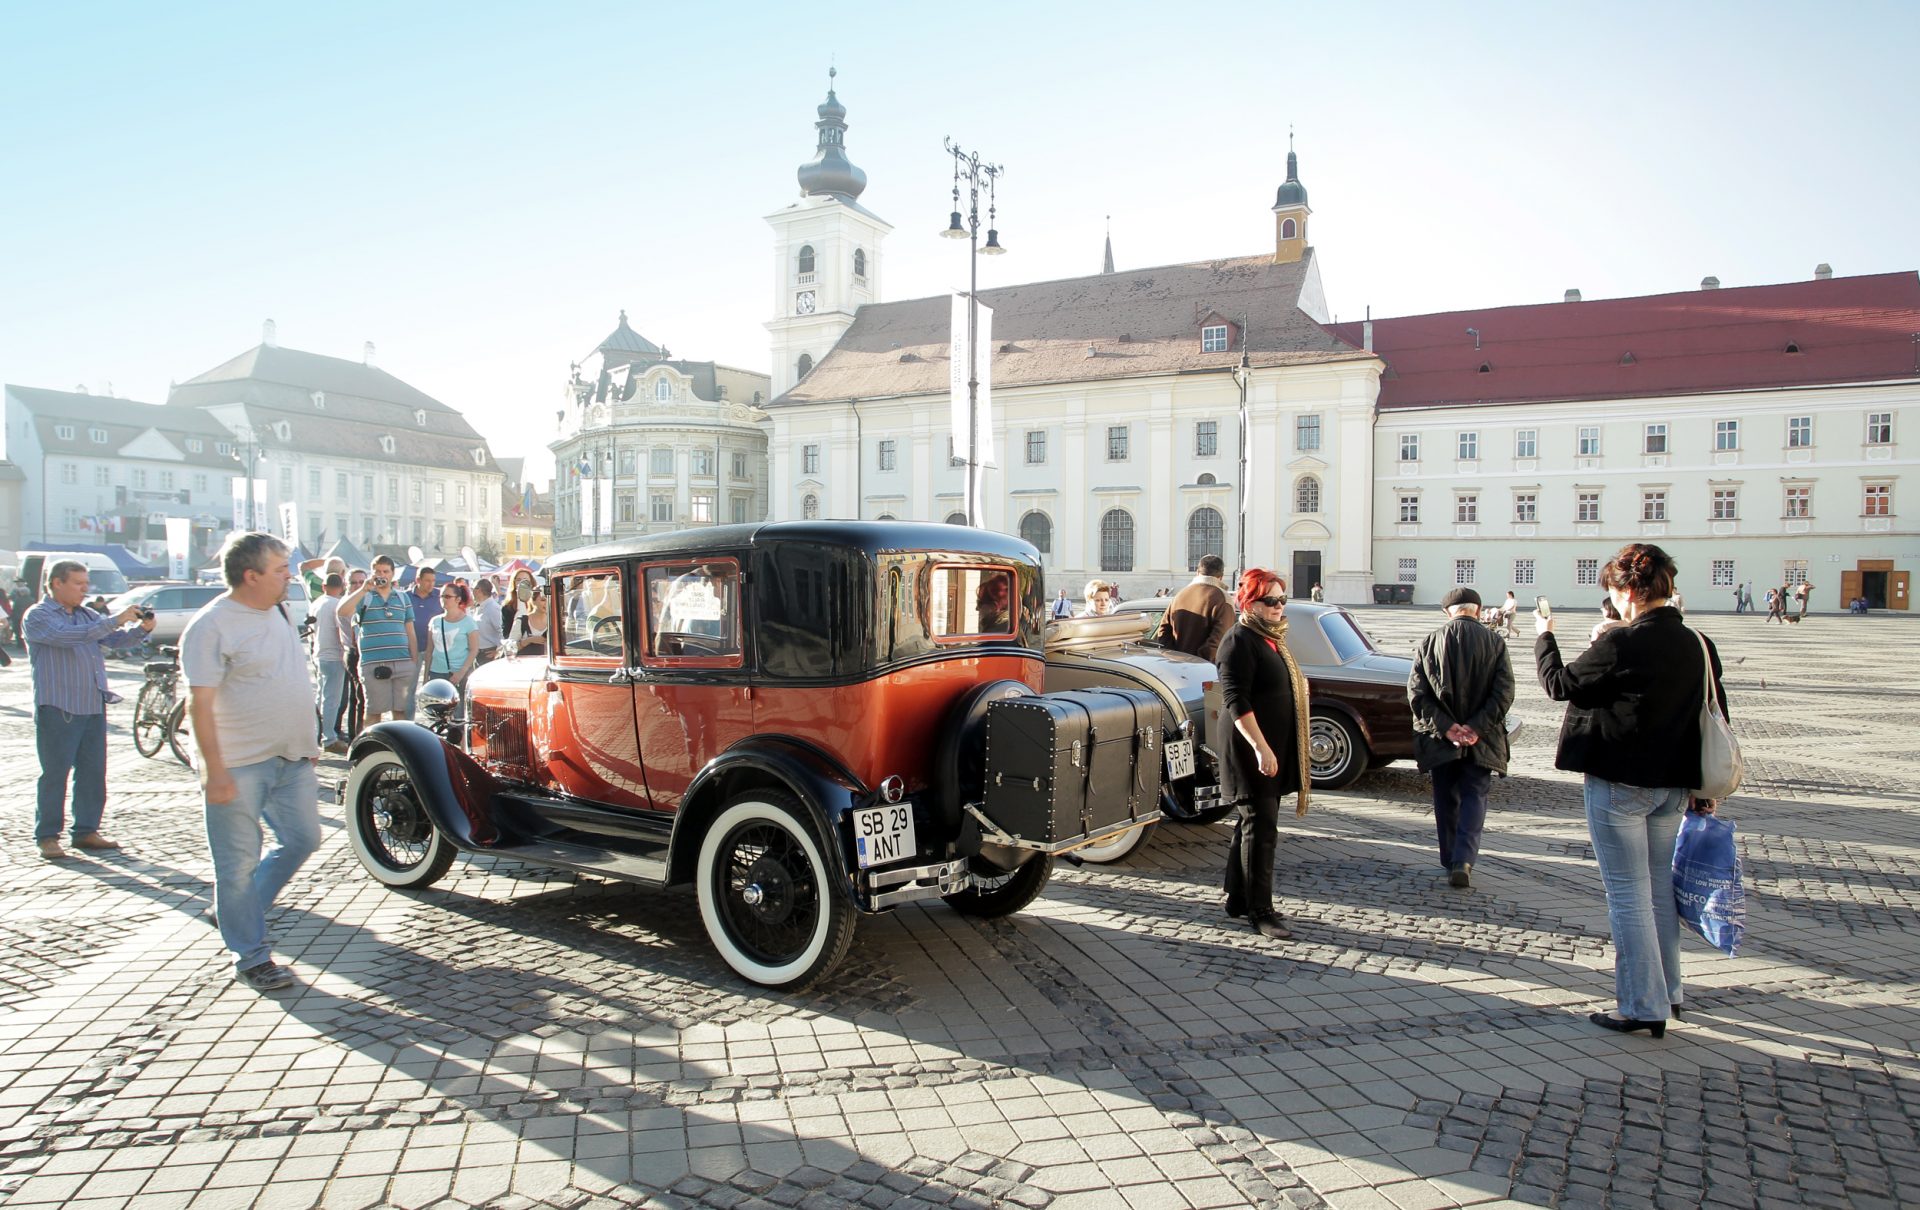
x: 1213, y: 338
x: 420, y: 417
x: 480, y: 456
x: 195, y: 445
x: 224, y: 449
x: 64, y: 432
x: 319, y: 400
x: 663, y: 390
x: 97, y: 436
x: 282, y: 430
x: 386, y: 443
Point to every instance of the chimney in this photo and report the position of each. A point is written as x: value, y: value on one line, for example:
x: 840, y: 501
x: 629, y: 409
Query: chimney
x: 1572, y: 296
x: 1709, y: 283
x: 80, y: 388
x: 1366, y: 335
x: 269, y: 335
x: 1823, y: 272
x: 366, y: 354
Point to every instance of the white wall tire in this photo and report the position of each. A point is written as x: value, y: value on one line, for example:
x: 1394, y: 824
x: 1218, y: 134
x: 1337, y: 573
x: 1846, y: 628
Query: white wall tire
x: 390, y: 830
x: 765, y: 893
x: 1115, y: 849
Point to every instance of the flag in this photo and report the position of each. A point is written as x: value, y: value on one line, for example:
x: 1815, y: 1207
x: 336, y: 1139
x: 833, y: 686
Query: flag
x: 526, y: 500
x: 586, y: 466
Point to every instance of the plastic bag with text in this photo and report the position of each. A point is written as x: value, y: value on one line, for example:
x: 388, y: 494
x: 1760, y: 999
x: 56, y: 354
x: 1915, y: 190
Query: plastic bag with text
x: 1706, y: 881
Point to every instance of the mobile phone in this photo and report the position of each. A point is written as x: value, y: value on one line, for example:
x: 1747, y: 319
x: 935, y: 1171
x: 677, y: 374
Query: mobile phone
x: 1543, y: 607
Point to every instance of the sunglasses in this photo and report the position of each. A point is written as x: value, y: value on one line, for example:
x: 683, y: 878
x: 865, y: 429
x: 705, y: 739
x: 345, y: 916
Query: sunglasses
x: 1275, y: 601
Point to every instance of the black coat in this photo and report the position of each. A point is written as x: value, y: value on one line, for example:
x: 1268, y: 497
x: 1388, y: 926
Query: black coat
x: 1633, y: 701
x: 1461, y: 674
x: 1254, y: 678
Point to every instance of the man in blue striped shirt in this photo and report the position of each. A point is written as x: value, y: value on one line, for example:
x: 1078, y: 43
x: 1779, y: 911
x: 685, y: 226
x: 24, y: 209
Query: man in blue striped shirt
x: 67, y: 643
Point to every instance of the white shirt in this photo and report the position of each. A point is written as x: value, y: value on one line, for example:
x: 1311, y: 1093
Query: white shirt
x: 326, y: 631
x: 254, y: 658
x: 486, y: 617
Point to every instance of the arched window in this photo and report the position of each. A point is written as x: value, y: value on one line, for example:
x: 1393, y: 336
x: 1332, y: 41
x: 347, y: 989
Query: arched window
x: 810, y: 507
x: 663, y: 390
x: 1206, y: 479
x: 859, y: 262
x: 884, y: 517
x: 806, y: 258
x: 804, y: 364
x: 956, y: 518
x: 1288, y: 229
x: 1206, y: 534
x: 1306, y: 495
x: 1036, y: 529
x: 1116, y: 540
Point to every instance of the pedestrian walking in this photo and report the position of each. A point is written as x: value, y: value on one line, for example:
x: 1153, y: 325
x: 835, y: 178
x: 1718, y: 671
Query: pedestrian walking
x: 1265, y: 695
x: 1062, y: 607
x: 388, y: 654
x: 1461, y: 688
x: 1632, y: 728
x: 330, y: 660
x: 67, y: 642
x: 1776, y: 606
x: 1739, y: 604
x: 452, y: 638
x: 488, y: 633
x: 1801, y: 592
x: 1200, y: 614
x: 248, y: 691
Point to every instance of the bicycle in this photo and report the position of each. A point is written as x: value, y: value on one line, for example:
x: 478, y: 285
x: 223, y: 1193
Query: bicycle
x: 160, y: 713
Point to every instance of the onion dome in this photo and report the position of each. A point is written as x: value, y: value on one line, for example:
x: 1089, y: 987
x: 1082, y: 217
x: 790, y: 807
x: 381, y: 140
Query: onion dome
x: 830, y: 173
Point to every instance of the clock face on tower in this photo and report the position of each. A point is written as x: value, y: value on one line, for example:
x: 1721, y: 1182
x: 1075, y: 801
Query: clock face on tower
x: 804, y: 302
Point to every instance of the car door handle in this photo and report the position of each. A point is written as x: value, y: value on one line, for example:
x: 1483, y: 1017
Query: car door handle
x: 620, y: 676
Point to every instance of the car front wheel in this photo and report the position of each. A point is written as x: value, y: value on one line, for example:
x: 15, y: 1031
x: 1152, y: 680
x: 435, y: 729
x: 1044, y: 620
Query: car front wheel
x: 765, y: 896
x: 388, y: 825
x: 1338, y: 753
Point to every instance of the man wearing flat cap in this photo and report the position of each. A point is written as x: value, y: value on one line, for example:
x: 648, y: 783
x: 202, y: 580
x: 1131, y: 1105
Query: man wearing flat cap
x: 1461, y: 688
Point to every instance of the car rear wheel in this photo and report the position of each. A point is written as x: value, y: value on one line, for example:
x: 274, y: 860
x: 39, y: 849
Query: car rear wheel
x: 765, y: 896
x: 388, y: 825
x: 1113, y: 849
x: 1338, y: 754
x: 997, y: 892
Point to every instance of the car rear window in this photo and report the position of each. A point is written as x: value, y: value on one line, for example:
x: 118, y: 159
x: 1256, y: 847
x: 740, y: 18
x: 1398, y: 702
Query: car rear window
x: 1348, y: 642
x: 969, y: 602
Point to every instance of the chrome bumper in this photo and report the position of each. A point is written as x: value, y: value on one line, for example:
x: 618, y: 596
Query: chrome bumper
x: 905, y: 884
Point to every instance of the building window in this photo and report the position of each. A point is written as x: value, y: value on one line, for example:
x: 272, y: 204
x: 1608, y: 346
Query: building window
x: 809, y: 459
x: 1306, y: 432
x: 419, y: 418
x: 1586, y: 572
x: 166, y: 481
x: 1590, y: 441
x: 1877, y: 501
x: 627, y: 462
x: 1463, y: 571
x: 1799, y: 432
x: 63, y: 432
x: 1466, y: 509
x: 223, y: 448
x: 1206, y: 534
x: 628, y: 507
x: 70, y: 472
x: 1654, y: 439
x: 199, y: 483
x: 1117, y: 436
x: 1116, y: 540
x: 805, y: 263
x: 97, y: 436
x: 702, y: 508
x: 1586, y: 506
x: 1036, y: 529
x: 1799, y: 501
x: 739, y: 466
x: 313, y: 481
x: 956, y: 518
x: 1213, y: 338
x: 1653, y: 506
x: 1036, y: 447
x: 418, y: 494
x: 661, y: 507
x: 1726, y: 504
x: 1469, y: 447
x: 393, y: 492
x: 860, y: 264
x: 102, y: 477
x: 1523, y: 573
x: 887, y: 452
x: 1722, y: 573
x: 701, y: 464
x: 1526, y: 443
x: 439, y: 494
x: 1526, y: 507
x: 1793, y: 571
x: 1879, y: 428
x: 195, y: 445
x: 660, y: 462
x: 662, y: 390
x: 1206, y: 438
x: 1409, y: 447
x: 138, y: 478
x: 366, y: 529
x: 1289, y: 229
x: 804, y: 366
x: 1726, y: 434
x: 1409, y: 571
x: 739, y: 510
x: 1410, y: 510
x: 366, y: 488
x: 1306, y: 494
x: 810, y: 507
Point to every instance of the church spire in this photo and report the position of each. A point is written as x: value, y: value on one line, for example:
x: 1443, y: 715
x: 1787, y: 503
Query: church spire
x: 829, y: 173
x: 1290, y: 212
x: 1107, y: 267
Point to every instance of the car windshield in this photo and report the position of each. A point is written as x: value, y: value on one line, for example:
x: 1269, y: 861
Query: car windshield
x: 1349, y: 643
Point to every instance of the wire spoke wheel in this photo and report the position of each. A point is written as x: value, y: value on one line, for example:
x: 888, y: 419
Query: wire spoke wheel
x: 389, y: 826
x: 768, y: 892
x: 150, y: 718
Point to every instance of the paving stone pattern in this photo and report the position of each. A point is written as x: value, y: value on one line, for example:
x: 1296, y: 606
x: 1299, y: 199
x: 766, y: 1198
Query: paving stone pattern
x: 518, y: 1037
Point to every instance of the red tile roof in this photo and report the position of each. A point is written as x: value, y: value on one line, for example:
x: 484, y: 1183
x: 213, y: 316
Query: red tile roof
x: 1847, y: 329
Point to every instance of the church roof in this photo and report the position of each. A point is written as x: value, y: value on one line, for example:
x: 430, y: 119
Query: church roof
x: 1847, y: 329
x: 1107, y: 325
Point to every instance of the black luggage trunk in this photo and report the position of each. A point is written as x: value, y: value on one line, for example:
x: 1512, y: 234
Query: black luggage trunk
x: 1070, y: 764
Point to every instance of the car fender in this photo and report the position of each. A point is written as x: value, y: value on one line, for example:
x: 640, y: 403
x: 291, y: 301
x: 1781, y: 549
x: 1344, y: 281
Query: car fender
x: 1330, y: 705
x: 826, y: 792
x: 456, y: 791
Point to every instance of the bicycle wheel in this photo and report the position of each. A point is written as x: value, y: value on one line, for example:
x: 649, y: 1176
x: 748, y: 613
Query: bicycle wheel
x: 178, y: 738
x: 150, y: 719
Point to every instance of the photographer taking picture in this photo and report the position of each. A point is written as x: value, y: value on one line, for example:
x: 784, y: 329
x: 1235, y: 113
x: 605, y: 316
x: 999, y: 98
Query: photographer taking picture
x: 388, y: 653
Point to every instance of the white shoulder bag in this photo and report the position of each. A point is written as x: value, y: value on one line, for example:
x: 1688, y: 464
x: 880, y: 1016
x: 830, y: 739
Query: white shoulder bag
x: 1721, y: 768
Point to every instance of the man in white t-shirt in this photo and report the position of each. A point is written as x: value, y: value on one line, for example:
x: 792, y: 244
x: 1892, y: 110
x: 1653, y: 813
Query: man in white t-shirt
x: 330, y: 659
x: 252, y: 710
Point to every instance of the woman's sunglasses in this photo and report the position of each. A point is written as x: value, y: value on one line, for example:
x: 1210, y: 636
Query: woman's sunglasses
x: 1274, y: 602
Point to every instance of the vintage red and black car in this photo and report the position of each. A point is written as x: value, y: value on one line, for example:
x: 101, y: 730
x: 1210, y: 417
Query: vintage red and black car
x: 805, y: 720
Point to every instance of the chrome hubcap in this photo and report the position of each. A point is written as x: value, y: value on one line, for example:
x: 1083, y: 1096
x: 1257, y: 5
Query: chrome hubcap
x: 752, y: 895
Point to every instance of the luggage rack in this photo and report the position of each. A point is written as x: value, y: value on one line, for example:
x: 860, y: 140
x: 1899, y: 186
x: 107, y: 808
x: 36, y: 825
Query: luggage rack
x: 1000, y: 836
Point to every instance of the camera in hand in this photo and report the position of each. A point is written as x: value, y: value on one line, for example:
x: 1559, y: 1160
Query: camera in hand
x: 146, y: 615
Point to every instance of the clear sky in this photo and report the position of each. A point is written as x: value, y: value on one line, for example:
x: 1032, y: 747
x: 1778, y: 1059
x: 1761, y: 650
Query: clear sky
x: 480, y: 188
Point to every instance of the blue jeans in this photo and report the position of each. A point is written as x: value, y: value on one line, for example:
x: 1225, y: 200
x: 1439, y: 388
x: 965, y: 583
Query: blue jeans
x: 285, y: 795
x: 1633, y: 830
x: 70, y: 745
x: 333, y: 680
x: 1460, y: 809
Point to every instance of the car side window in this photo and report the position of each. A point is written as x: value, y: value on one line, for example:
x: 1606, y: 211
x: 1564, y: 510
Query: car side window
x: 167, y: 598
x: 196, y: 597
x: 970, y: 601
x: 693, y: 611
x: 589, y: 618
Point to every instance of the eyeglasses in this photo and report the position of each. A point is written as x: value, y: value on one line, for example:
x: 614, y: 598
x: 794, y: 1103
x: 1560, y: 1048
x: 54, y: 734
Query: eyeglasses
x: 1274, y: 602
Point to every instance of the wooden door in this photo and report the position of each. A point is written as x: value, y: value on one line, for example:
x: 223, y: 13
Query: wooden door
x: 1849, y: 588
x: 1899, y: 590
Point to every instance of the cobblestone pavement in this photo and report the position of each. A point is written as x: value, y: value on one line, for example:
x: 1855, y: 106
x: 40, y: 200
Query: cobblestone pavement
x: 515, y: 1037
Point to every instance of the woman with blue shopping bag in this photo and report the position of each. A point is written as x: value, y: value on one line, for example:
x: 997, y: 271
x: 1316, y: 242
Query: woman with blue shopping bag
x: 1635, y: 700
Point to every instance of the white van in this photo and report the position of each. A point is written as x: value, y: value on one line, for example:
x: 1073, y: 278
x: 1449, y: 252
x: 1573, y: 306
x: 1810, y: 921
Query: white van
x: 103, y: 577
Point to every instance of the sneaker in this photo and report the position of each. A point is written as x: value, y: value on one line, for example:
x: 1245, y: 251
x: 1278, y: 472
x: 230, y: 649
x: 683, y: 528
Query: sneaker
x: 267, y: 977
x: 338, y: 747
x: 93, y: 840
x: 50, y: 850
x: 1460, y: 875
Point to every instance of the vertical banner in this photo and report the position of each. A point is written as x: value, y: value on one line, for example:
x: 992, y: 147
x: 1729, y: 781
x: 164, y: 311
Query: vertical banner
x: 179, y: 536
x: 290, y: 524
x: 239, y: 503
x: 957, y: 376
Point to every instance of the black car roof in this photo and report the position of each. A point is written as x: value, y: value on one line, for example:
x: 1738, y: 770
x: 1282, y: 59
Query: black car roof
x: 873, y: 537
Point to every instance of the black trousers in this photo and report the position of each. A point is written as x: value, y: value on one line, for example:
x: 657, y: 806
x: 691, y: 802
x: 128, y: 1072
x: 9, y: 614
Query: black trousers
x: 353, y: 703
x: 1249, y: 878
x: 1460, y: 810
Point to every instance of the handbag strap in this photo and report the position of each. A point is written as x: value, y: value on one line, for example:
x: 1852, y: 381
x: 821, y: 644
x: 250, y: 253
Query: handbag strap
x: 1706, y: 668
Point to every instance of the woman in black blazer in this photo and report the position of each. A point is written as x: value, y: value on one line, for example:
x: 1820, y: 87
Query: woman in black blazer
x: 1633, y: 728
x: 1266, y: 698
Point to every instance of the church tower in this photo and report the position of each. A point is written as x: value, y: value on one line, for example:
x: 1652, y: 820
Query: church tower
x: 826, y: 253
x: 1290, y: 214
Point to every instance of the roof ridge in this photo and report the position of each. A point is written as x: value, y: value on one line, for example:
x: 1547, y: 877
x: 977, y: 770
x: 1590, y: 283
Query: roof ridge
x: 1253, y: 258
x: 1695, y: 292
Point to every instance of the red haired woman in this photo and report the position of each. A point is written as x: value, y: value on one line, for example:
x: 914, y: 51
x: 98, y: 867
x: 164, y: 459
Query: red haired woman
x: 1266, y: 697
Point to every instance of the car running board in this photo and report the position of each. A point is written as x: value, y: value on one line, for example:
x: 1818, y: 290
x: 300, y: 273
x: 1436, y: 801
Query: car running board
x: 586, y: 857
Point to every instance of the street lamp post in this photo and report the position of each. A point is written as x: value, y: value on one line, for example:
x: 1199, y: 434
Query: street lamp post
x: 967, y: 227
x: 248, y: 463
x: 1242, y: 376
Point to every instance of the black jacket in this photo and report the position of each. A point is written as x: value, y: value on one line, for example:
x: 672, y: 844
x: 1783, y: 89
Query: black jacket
x: 1254, y: 678
x: 1633, y: 702
x: 1461, y: 674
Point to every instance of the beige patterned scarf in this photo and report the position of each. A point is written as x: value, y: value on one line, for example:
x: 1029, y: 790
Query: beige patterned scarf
x: 1278, y: 633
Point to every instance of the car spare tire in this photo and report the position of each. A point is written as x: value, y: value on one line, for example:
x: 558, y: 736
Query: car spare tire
x: 960, y: 753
